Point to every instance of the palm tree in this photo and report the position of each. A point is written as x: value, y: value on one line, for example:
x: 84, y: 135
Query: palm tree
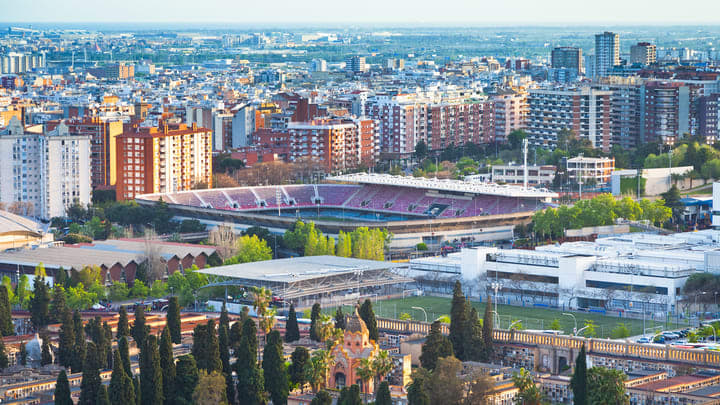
x: 366, y: 372
x: 382, y: 364
x: 261, y: 297
x: 317, y: 369
x: 267, y: 321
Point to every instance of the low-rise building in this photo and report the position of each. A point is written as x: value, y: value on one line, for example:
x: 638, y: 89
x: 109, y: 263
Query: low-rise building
x: 590, y: 170
x: 515, y: 174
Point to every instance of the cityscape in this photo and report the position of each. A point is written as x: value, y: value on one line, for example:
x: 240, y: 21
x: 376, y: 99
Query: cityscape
x: 389, y: 204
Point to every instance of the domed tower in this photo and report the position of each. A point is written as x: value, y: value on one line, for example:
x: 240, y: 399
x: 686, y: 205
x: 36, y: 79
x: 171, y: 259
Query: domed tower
x: 356, y: 345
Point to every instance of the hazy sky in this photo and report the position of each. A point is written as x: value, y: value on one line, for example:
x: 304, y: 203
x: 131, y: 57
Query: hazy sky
x: 478, y: 12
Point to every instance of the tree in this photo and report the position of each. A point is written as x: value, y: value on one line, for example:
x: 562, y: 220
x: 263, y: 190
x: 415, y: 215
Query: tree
x: 317, y: 369
x: 40, y: 303
x: 620, y: 332
x: 250, y: 249
x: 458, y: 320
x: 444, y: 386
x: 102, y: 398
x: 186, y: 379
x: 22, y: 360
x: 515, y: 138
x: 322, y: 398
x: 46, y: 354
x: 579, y: 380
x: 292, y: 331
x: 555, y: 325
x: 62, y: 390
x: 276, y: 378
x: 436, y: 346
x: 173, y: 319
x: 590, y: 329
x: 80, y: 347
x: 224, y: 346
x: 344, y: 245
x: 298, y: 363
x: 382, y: 365
x: 416, y: 390
x: 90, y: 383
x: 151, y: 383
x: 6, y: 324
x: 314, y: 318
x: 66, y: 341
x: 365, y: 373
x: 480, y: 388
x: 122, y: 327
x: 124, y: 350
x: 261, y: 297
x: 339, y: 318
x: 121, y: 388
x: 672, y: 201
x: 421, y: 150
x: 368, y: 315
x: 350, y: 396
x: 224, y: 239
x: 528, y: 391
x: 472, y: 336
x: 210, y: 389
x: 139, y: 329
x: 383, y: 394
x: 4, y: 361
x: 118, y: 291
x: 606, y: 386
x: 167, y: 364
x: 251, y: 384
x: 58, y: 305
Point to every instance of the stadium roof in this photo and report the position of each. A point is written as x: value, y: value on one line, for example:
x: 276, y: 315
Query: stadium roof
x: 306, y: 276
x: 458, y: 186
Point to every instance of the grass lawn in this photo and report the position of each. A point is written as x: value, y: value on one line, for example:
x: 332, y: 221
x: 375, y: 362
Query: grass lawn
x: 531, y: 317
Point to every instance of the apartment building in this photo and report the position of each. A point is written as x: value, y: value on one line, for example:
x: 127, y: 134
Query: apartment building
x: 164, y: 159
x: 48, y: 169
x: 643, y: 53
x: 355, y: 64
x: 445, y: 124
x: 627, y: 109
x: 396, y: 120
x: 567, y: 57
x: 102, y: 135
x: 336, y: 144
x: 669, y: 109
x: 18, y: 63
x: 607, y: 53
x: 509, y: 112
x: 590, y: 170
x: 117, y: 71
x: 708, y: 124
x: 585, y: 111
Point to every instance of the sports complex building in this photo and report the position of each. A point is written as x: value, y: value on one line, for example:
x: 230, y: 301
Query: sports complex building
x: 415, y: 210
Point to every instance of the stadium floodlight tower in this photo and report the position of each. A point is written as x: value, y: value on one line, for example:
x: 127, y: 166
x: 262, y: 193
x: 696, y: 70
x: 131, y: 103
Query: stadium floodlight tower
x: 525, y: 168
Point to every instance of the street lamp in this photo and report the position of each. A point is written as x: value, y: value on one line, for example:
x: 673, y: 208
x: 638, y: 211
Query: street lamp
x: 495, y: 286
x: 574, y: 320
x: 421, y: 309
x: 581, y: 329
x: 697, y: 313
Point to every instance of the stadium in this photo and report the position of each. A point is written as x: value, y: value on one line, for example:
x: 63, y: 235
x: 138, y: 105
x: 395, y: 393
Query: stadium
x: 415, y: 210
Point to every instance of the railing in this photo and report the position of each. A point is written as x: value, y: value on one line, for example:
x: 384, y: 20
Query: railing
x: 598, y: 347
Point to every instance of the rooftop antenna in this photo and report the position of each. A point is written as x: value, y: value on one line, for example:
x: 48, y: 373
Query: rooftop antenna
x: 525, y: 169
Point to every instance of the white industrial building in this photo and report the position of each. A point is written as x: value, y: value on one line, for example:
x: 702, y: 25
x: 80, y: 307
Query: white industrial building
x: 627, y: 272
x: 49, y: 170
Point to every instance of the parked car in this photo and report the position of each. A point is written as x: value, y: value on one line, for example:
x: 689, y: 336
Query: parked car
x: 659, y: 339
x: 643, y: 340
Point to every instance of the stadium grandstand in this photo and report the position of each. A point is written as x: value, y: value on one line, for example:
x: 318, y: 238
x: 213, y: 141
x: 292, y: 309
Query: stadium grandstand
x: 432, y: 210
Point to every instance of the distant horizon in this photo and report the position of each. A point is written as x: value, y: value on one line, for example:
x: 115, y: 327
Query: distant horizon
x: 451, y: 13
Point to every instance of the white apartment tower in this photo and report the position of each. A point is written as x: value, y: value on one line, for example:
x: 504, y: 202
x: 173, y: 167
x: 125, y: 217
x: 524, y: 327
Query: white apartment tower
x: 607, y: 52
x: 50, y: 170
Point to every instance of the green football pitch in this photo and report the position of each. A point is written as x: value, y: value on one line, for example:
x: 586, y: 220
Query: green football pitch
x: 530, y: 317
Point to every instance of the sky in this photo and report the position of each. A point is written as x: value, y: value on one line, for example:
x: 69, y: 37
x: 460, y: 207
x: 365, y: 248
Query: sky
x: 336, y: 12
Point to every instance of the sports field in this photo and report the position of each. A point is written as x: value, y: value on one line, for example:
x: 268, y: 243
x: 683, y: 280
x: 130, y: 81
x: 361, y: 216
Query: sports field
x: 530, y: 317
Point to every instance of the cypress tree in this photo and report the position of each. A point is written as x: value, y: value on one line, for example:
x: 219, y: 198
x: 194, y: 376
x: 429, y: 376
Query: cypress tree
x: 4, y: 361
x: 90, y: 378
x: 151, y: 384
x: 167, y: 364
x: 383, y: 394
x: 276, y: 378
x: 416, y: 393
x: 102, y: 398
x: 472, y: 337
x: 487, y: 331
x: 40, y: 304
x: 58, y: 305
x: 350, y: 396
x: 173, y: 319
x: 140, y: 330
x: 61, y: 278
x: 199, y: 347
x: 251, y: 384
x: 339, y: 318
x: 121, y: 391
x: 458, y: 320
x: 314, y: 318
x: 66, y: 341
x: 108, y: 345
x: 214, y: 363
x: 122, y: 327
x: 6, y: 324
x: 45, y: 355
x: 292, y: 331
x: 23, y: 354
x: 186, y: 380
x: 79, y: 348
x: 236, y: 334
x: 578, y: 382
x: 436, y: 346
x: 224, y: 346
x: 137, y: 389
x: 322, y: 398
x: 299, y: 360
x: 124, y: 350
x: 62, y: 390
x: 224, y: 317
x: 368, y: 315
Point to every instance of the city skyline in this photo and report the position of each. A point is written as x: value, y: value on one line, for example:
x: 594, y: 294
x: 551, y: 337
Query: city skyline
x: 455, y: 12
